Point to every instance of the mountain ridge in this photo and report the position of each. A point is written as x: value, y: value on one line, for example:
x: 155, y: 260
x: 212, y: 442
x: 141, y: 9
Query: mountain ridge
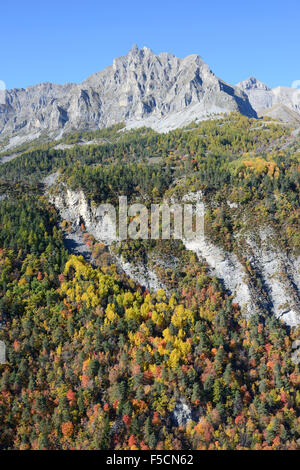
x: 141, y: 88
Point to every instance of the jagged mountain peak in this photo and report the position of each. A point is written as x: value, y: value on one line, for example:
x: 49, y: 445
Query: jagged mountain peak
x: 141, y: 88
x: 135, y: 50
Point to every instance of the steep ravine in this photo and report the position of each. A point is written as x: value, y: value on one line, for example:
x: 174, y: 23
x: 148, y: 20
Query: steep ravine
x: 272, y: 283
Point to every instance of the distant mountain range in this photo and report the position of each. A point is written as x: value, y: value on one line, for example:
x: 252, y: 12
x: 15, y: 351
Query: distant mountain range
x: 160, y: 91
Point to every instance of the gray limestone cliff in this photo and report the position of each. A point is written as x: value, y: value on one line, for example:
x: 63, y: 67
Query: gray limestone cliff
x: 278, y: 272
x: 141, y: 88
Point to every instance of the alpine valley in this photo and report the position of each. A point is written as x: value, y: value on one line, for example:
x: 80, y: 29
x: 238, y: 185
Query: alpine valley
x: 150, y: 344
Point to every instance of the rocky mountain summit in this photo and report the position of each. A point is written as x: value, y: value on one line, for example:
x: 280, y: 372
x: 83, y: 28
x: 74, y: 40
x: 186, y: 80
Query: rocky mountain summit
x: 141, y: 88
x: 280, y: 103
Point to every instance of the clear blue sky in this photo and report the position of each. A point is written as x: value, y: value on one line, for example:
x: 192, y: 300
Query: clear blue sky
x: 65, y: 40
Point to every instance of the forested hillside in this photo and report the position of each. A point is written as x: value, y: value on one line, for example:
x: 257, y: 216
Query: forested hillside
x: 96, y: 361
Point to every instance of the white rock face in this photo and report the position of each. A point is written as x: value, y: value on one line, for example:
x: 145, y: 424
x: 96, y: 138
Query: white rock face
x: 284, y: 305
x: 141, y: 88
x: 279, y: 273
x: 142, y: 275
x: 263, y: 98
x: 224, y: 265
x: 73, y: 206
x: 227, y: 268
x: 182, y: 414
x: 2, y: 352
